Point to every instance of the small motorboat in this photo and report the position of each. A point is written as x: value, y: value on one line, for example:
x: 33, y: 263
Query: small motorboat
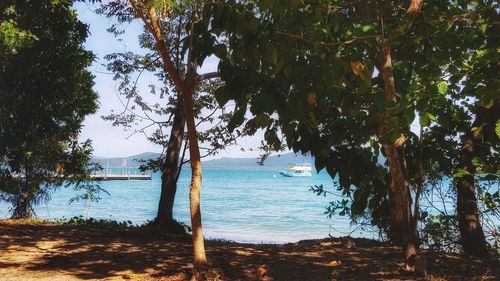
x: 298, y: 170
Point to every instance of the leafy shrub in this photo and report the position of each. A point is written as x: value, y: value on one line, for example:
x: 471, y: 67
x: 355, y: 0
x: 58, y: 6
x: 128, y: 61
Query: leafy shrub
x: 94, y: 223
x: 440, y: 233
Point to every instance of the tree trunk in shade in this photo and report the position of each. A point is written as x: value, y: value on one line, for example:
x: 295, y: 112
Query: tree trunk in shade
x: 472, y: 236
x: 171, y: 168
x: 471, y: 233
x: 399, y: 210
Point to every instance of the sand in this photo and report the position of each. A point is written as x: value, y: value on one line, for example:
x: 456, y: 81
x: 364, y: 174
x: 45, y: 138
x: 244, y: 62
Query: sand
x: 31, y: 251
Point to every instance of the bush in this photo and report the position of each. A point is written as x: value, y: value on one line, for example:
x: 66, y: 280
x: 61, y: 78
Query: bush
x: 94, y: 223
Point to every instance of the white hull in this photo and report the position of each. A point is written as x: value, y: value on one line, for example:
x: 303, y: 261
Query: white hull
x: 294, y: 174
x: 298, y: 170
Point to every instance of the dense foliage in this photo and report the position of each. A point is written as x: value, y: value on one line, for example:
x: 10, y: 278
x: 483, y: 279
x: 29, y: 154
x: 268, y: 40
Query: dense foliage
x: 45, y: 93
x: 315, y: 74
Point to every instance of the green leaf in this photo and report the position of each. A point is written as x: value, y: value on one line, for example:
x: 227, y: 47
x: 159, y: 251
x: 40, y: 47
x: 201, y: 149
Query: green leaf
x: 271, y: 55
x: 367, y: 28
x: 238, y: 117
x: 497, y: 128
x: 319, y: 163
x: 222, y: 96
x: 426, y: 118
x: 262, y: 120
x: 330, y: 168
x: 488, y: 103
x: 442, y: 87
x: 265, y: 4
x: 460, y: 173
x: 220, y: 51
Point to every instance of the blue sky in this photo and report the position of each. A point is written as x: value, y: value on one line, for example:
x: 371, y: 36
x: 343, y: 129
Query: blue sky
x: 109, y: 141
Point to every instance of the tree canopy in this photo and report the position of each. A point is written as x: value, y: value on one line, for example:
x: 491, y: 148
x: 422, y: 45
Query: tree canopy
x: 45, y: 93
x: 345, y: 80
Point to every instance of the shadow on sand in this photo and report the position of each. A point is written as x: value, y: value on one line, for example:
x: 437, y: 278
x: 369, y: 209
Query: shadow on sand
x: 30, y: 252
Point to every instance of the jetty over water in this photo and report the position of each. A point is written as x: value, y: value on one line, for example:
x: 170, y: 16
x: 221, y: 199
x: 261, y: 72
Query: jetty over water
x: 119, y: 173
x: 110, y: 177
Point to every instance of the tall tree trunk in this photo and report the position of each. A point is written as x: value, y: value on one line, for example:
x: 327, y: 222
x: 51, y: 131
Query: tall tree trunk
x: 186, y: 87
x: 400, y: 231
x: 171, y: 167
x: 21, y: 208
x: 22, y: 203
x: 471, y: 232
x: 472, y: 236
x: 200, y: 259
x: 399, y: 197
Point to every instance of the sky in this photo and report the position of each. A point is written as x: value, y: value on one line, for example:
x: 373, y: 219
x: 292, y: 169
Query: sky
x: 109, y: 141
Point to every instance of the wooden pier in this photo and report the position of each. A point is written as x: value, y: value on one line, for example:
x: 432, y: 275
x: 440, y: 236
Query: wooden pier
x: 108, y: 175
x: 111, y: 177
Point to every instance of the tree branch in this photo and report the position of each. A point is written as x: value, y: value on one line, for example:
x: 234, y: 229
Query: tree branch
x: 350, y: 41
x: 411, y: 14
x: 154, y: 27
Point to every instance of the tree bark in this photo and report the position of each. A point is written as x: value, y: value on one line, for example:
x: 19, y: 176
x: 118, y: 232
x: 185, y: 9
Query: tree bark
x: 22, y: 204
x: 399, y: 210
x: 399, y: 196
x: 472, y: 239
x: 200, y: 259
x: 171, y: 167
x: 471, y: 232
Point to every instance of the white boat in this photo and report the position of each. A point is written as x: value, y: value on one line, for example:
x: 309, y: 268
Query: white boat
x: 298, y: 170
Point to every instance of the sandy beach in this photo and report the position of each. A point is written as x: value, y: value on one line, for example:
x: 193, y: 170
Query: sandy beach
x: 31, y: 251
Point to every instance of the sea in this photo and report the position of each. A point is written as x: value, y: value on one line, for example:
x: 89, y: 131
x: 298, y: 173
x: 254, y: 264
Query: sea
x: 241, y: 205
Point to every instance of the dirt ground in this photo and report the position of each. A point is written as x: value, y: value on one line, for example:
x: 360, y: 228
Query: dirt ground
x: 52, y: 252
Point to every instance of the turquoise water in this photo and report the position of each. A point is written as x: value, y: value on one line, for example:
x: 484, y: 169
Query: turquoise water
x: 240, y: 205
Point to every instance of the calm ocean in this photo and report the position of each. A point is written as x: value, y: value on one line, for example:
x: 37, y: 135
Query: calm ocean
x: 239, y: 205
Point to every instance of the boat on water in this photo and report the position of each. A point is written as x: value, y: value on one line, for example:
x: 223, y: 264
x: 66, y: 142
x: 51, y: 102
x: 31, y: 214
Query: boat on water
x: 298, y: 170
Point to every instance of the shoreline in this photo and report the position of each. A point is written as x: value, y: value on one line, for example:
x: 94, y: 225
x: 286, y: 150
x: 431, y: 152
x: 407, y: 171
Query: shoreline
x: 41, y: 251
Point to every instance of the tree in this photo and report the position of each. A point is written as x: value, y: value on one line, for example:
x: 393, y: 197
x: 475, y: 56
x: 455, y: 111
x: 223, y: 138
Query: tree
x: 186, y: 86
x: 45, y: 93
x: 474, y: 88
x: 343, y: 80
x: 165, y: 113
x: 473, y: 239
x: 124, y: 66
x: 312, y: 119
x: 155, y: 15
x: 480, y: 143
x: 455, y: 97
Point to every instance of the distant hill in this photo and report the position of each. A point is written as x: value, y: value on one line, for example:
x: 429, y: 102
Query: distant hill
x: 272, y: 162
